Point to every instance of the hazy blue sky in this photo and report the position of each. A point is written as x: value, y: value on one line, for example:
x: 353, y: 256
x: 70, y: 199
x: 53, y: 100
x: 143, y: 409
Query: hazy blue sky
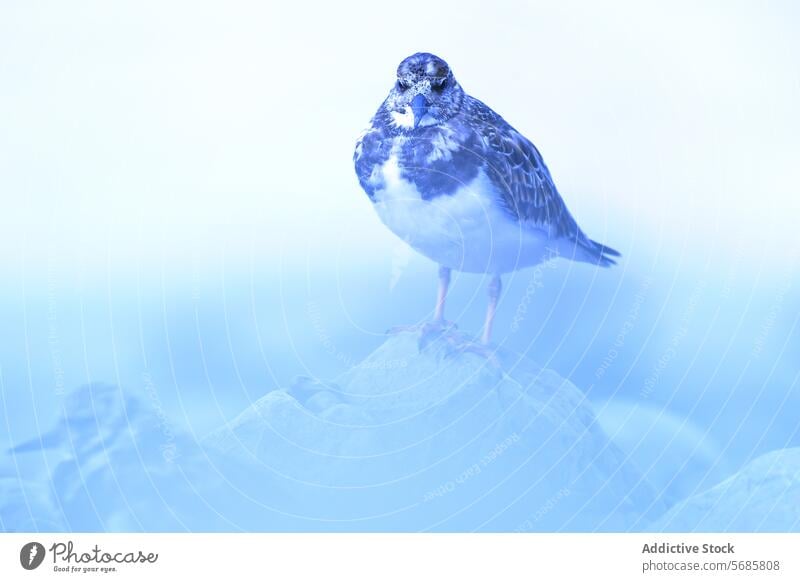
x: 196, y: 131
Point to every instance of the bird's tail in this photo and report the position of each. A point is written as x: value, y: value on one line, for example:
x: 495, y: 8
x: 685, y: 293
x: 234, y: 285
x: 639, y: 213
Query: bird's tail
x: 598, y: 254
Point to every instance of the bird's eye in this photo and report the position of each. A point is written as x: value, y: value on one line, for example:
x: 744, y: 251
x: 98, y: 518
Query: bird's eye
x: 438, y: 83
x: 403, y: 84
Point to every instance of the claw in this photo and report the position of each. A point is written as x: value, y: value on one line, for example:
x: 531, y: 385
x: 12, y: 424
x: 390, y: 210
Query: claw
x: 437, y: 329
x: 429, y: 327
x: 468, y: 346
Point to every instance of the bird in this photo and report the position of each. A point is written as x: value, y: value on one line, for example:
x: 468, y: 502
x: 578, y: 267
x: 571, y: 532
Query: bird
x: 461, y: 186
x: 120, y: 464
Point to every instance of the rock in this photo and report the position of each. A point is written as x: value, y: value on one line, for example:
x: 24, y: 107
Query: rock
x: 764, y: 496
x: 321, y: 401
x: 312, y: 393
x: 676, y: 456
x: 440, y: 441
x: 122, y: 466
x: 410, y: 439
x: 26, y: 506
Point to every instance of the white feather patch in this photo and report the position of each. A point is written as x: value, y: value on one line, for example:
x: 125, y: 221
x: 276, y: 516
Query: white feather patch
x: 404, y: 119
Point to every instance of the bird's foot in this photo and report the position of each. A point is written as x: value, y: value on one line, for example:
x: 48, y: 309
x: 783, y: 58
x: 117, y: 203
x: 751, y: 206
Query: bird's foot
x: 430, y: 331
x: 435, y: 327
x: 463, y: 345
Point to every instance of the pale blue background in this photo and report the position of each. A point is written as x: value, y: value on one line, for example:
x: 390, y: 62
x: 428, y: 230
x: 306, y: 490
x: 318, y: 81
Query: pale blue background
x: 179, y: 203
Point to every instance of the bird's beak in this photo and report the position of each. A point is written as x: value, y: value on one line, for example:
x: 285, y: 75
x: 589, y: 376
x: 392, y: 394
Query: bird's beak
x: 419, y: 106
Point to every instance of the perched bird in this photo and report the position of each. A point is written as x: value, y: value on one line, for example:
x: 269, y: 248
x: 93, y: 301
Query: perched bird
x: 454, y: 180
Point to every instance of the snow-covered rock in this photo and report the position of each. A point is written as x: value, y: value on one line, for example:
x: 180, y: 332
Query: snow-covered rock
x: 428, y: 438
x: 764, y: 496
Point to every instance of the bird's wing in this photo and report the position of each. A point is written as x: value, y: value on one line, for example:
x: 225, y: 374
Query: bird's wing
x: 517, y: 170
x: 372, y: 149
x: 520, y: 176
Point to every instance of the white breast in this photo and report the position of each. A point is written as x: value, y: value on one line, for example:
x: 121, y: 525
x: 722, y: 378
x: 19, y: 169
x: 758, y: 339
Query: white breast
x: 466, y: 231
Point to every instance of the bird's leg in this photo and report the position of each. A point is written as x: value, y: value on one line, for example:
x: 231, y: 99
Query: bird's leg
x: 444, y: 284
x: 439, y: 325
x: 495, y: 286
x: 463, y: 344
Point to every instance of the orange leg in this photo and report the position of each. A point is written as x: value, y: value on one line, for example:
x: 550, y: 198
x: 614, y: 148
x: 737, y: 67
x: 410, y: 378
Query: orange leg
x: 495, y: 286
x: 444, y: 284
x: 439, y: 325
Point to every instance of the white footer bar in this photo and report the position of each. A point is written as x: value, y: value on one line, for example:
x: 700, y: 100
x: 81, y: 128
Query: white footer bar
x: 406, y: 557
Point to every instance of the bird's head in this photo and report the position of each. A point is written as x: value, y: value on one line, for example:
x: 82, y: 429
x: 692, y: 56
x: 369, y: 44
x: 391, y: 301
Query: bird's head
x: 426, y: 93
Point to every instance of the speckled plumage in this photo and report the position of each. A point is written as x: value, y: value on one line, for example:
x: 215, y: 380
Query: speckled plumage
x: 431, y: 140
